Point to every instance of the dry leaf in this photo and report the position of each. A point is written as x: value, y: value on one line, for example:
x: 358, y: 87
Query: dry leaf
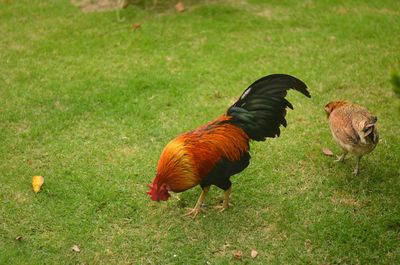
x: 238, y: 254
x: 327, y: 152
x: 18, y: 238
x: 254, y: 253
x: 37, y: 182
x: 180, y: 7
x: 76, y: 248
x: 225, y: 246
x: 136, y: 26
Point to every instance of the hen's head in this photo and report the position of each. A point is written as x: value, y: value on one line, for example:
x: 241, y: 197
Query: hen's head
x: 331, y: 106
x: 158, y: 191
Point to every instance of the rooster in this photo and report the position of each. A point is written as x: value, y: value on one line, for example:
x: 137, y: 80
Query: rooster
x: 353, y: 128
x: 212, y: 153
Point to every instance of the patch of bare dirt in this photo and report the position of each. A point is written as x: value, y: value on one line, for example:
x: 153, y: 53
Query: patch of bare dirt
x: 99, y: 5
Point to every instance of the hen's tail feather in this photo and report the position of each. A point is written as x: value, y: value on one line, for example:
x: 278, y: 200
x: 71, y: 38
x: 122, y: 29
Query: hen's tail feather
x: 261, y: 109
x: 370, y: 130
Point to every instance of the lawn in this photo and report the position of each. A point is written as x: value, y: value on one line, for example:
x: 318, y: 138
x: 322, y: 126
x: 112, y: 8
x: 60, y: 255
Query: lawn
x: 88, y: 102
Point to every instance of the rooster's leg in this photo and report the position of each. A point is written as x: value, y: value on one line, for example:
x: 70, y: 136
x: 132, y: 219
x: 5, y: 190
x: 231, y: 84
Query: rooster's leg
x: 197, y: 208
x: 355, y: 172
x: 227, y: 197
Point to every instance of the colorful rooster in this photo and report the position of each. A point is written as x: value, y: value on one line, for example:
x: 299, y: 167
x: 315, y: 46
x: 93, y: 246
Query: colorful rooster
x: 212, y: 153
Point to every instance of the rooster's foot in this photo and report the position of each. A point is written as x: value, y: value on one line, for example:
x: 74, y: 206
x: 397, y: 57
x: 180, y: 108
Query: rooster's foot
x: 223, y: 207
x: 193, y: 212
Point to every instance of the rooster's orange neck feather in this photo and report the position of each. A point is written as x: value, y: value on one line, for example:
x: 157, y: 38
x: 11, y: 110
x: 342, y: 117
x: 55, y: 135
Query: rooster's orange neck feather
x: 187, y: 159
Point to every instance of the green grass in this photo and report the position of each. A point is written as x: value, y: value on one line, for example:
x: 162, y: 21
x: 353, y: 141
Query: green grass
x: 89, y: 104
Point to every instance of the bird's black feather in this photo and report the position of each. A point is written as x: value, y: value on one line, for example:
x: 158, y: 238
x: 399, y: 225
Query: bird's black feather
x: 261, y: 109
x: 223, y: 170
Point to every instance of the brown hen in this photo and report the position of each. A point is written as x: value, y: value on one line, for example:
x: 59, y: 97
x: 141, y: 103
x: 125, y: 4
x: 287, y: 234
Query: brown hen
x: 353, y: 128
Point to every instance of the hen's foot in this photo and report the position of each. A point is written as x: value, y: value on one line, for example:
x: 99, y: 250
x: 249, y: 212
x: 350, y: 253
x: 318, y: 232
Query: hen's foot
x: 340, y: 158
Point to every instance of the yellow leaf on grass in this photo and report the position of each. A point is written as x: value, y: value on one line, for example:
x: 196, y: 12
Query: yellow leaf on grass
x: 76, y: 248
x: 37, y: 182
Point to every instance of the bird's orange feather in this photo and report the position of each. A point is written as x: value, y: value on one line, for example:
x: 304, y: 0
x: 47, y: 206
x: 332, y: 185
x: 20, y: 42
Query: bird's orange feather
x: 188, y: 158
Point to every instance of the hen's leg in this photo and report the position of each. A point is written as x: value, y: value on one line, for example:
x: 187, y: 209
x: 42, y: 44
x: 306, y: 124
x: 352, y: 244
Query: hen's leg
x: 197, y: 208
x: 227, y: 197
x: 356, y: 169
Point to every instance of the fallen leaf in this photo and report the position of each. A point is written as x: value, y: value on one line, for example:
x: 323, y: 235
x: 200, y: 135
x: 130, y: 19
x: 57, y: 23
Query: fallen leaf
x: 136, y: 26
x: 18, y: 238
x: 37, y: 182
x: 238, y: 254
x: 76, y: 248
x: 180, y: 7
x: 327, y: 152
x: 254, y: 253
x: 225, y: 246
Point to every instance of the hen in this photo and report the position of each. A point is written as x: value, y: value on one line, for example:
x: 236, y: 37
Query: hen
x: 353, y: 128
x: 212, y: 153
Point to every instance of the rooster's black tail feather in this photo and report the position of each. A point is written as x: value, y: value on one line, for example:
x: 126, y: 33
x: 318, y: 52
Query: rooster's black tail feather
x: 261, y: 109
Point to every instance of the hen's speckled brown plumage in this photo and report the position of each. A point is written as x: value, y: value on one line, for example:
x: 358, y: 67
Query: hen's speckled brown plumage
x: 353, y: 127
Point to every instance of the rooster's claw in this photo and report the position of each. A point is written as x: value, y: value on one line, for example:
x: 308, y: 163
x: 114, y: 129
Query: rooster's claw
x: 193, y: 213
